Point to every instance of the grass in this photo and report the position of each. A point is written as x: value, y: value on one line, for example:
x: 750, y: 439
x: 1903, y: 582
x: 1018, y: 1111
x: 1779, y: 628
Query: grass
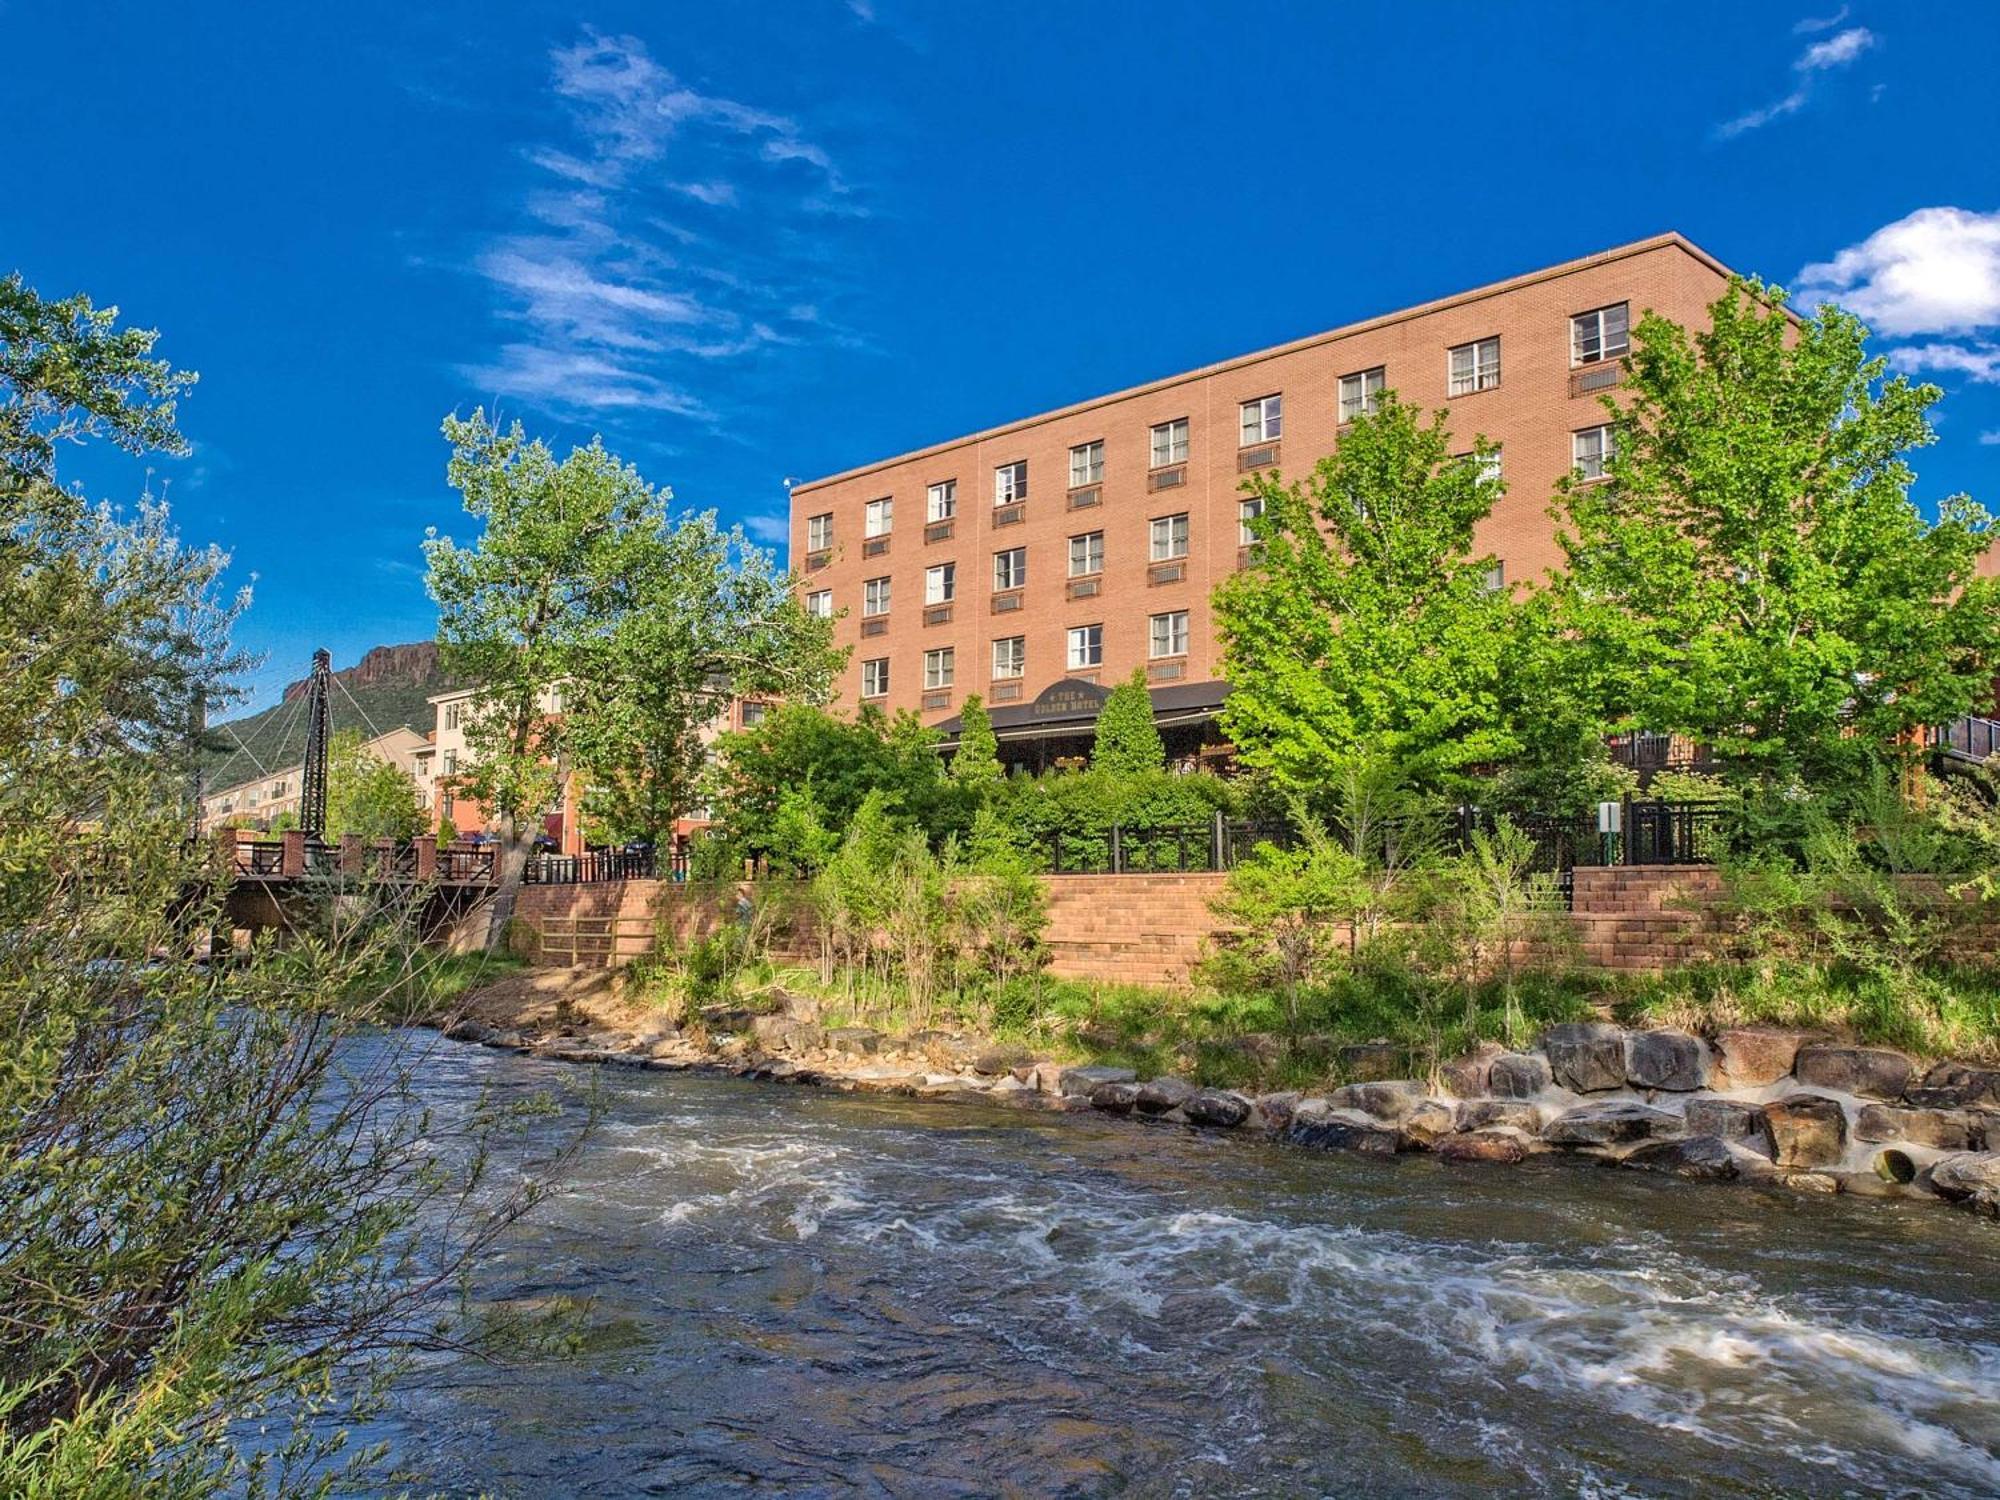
x: 432, y: 984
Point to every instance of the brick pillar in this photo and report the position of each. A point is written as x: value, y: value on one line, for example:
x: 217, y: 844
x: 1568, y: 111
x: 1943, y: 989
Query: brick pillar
x: 353, y: 855
x: 225, y: 852
x: 294, y: 841
x: 426, y: 845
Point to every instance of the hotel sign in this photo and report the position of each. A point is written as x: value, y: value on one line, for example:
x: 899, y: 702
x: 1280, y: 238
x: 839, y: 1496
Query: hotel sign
x: 1072, y: 698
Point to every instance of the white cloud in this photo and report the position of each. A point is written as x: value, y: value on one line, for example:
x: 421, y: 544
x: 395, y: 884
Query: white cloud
x: 1934, y: 271
x: 1835, y: 52
x: 1979, y: 363
x: 1820, y: 23
x: 772, y: 531
x: 1990, y: 438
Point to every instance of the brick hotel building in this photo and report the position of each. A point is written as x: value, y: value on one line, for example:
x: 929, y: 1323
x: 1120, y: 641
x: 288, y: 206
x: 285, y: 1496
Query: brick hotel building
x: 1038, y: 563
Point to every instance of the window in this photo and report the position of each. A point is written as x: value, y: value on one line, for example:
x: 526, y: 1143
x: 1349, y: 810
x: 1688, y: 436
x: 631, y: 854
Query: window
x: 1170, y: 537
x: 1010, y: 483
x: 938, y: 668
x: 1170, y: 443
x: 875, y: 597
x: 875, y: 678
x: 753, y: 714
x: 453, y: 715
x: 1590, y: 449
x: 1086, y: 463
x: 1010, y: 656
x: 879, y: 516
x: 1169, y: 634
x: 1496, y: 577
x: 451, y: 763
x: 1488, y: 467
x: 1010, y: 568
x: 819, y: 604
x: 819, y: 532
x: 941, y: 583
x: 1246, y: 512
x: 1086, y: 646
x: 1263, y: 419
x: 1475, y: 367
x: 1086, y: 554
x: 941, y: 500
x: 1600, y: 334
x: 1361, y: 393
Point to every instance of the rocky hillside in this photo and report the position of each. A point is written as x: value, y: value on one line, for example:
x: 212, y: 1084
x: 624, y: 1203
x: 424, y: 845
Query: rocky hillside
x: 391, y: 685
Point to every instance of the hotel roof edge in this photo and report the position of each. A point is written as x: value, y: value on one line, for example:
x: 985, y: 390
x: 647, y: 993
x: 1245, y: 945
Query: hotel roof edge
x: 1672, y: 239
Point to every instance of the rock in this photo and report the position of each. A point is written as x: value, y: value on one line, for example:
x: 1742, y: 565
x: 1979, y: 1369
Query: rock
x: 1612, y: 1123
x: 1159, y: 1095
x: 1385, y: 1101
x: 883, y: 1076
x: 783, y: 1033
x: 1853, y: 1070
x: 855, y: 1041
x: 1670, y: 1060
x: 468, y: 1031
x: 1076, y: 1083
x: 1518, y: 1075
x: 1940, y: 1129
x: 1966, y: 1175
x: 1220, y: 1108
x: 1749, y: 1057
x: 1258, y: 1048
x: 728, y: 1018
x: 1427, y: 1122
x: 1275, y: 1110
x: 1950, y: 1084
x: 991, y: 1062
x: 1328, y: 1132
x: 1587, y: 1057
x: 1483, y: 1114
x: 1808, y: 1182
x: 1369, y: 1062
x: 1699, y: 1158
x: 1500, y: 1145
x: 1471, y: 1075
x: 1115, y: 1098
x: 1730, y: 1120
x: 1807, y: 1130
x: 513, y: 1041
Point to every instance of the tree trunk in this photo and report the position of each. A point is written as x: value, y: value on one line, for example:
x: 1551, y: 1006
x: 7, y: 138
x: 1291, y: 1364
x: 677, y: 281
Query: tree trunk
x: 511, y: 870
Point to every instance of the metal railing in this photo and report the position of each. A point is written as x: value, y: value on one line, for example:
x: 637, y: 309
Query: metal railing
x: 469, y: 865
x: 263, y: 858
x: 1971, y: 738
x: 1175, y: 848
x: 603, y: 865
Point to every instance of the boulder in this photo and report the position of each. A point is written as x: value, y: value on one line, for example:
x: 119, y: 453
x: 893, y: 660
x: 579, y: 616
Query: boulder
x: 783, y: 1033
x: 1425, y: 1124
x: 1258, y: 1048
x: 1471, y: 1075
x: 1349, y: 1132
x: 1220, y: 1108
x: 1158, y: 1095
x: 1749, y: 1057
x: 1940, y: 1129
x: 1966, y: 1175
x: 1115, y: 1098
x: 1076, y: 1083
x: 991, y: 1062
x: 1951, y: 1084
x: 728, y: 1018
x: 1730, y: 1120
x: 855, y: 1041
x: 1699, y: 1158
x: 1385, y: 1101
x: 468, y: 1031
x: 884, y: 1076
x: 1875, y: 1071
x: 1586, y: 1057
x: 1483, y: 1114
x: 1518, y: 1075
x: 1370, y: 1062
x: 1822, y: 1183
x: 1615, y: 1122
x: 1275, y: 1110
x: 1670, y: 1060
x: 1500, y: 1145
x: 1807, y: 1130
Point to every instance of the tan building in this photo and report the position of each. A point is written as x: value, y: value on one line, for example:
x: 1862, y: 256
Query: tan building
x: 1040, y: 562
x: 262, y: 799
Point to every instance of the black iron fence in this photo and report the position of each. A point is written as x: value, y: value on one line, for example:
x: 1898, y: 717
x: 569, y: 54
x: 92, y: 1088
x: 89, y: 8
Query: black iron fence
x: 466, y: 864
x: 605, y: 864
x: 1183, y: 848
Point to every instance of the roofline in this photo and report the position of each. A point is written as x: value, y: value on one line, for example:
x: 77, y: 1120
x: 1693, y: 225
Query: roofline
x: 1672, y: 239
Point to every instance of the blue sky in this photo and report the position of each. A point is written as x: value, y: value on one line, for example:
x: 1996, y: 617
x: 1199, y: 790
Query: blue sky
x: 746, y: 242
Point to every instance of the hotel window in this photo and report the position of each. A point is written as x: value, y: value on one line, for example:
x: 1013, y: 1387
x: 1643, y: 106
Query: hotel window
x: 1010, y: 482
x: 1010, y: 568
x: 1590, y: 449
x: 453, y: 713
x: 1475, y: 367
x: 1086, y: 463
x: 875, y: 678
x: 940, y: 583
x: 938, y: 668
x: 753, y: 714
x: 819, y: 532
x: 878, y: 518
x: 1361, y: 393
x: 1086, y: 646
x: 1010, y: 656
x: 875, y: 597
x: 819, y: 604
x: 451, y: 763
x: 1170, y: 443
x: 1169, y: 636
x: 1086, y: 554
x: 941, y: 500
x: 1487, y: 467
x: 1263, y: 419
x: 1170, y: 537
x: 1246, y: 512
x: 1600, y: 334
x: 1496, y: 577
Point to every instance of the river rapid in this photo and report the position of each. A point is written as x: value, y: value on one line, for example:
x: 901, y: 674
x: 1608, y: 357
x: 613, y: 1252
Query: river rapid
x: 795, y: 1291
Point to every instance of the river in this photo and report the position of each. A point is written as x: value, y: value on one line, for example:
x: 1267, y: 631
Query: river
x: 803, y: 1292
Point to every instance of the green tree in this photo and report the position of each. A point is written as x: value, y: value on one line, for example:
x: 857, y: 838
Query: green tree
x: 605, y: 636
x: 977, y: 761
x: 1368, y: 623
x: 1751, y: 571
x: 1128, y: 741
x: 367, y: 795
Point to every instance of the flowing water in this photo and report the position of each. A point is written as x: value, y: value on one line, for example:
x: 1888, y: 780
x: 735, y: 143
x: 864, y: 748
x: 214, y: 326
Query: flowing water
x: 802, y: 1292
